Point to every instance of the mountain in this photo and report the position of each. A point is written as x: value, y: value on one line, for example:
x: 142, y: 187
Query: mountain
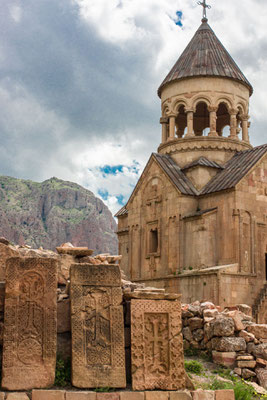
x: 53, y: 212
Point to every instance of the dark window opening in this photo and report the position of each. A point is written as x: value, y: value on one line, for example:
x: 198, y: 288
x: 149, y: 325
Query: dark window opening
x: 154, y: 240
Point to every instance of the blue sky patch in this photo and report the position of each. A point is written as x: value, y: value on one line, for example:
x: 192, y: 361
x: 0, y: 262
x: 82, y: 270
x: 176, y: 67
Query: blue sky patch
x: 111, y: 169
x: 178, y: 19
x: 103, y: 194
x: 121, y: 200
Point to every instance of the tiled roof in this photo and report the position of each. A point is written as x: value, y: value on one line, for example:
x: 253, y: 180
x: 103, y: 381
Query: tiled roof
x: 227, y: 178
x: 121, y: 212
x: 203, y: 161
x: 175, y: 174
x: 235, y: 169
x: 205, y: 56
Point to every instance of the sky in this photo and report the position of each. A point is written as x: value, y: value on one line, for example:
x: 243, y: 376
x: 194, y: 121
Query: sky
x: 79, y: 80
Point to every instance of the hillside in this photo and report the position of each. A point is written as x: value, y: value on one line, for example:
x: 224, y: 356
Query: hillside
x: 50, y: 213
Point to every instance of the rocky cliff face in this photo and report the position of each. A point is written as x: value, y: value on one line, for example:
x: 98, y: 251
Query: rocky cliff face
x: 53, y: 212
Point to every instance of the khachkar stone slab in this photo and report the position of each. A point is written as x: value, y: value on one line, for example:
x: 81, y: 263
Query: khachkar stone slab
x: 98, y: 358
x: 157, y: 345
x: 30, y: 332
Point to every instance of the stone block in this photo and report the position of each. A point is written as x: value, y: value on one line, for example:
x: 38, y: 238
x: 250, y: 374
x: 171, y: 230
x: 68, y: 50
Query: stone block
x: 238, y: 371
x: 223, y: 326
x: 187, y: 334
x: 210, y: 313
x: 80, y: 396
x: 48, y: 395
x: 63, y: 316
x: 259, y: 330
x: 30, y: 333
x: 237, y: 317
x: 98, y: 353
x: 262, y: 377
x: 246, y: 364
x: 5, y: 253
x: 180, y: 396
x: 228, y: 344
x: 247, y: 373
x: 227, y: 359
x: 203, y: 395
x: 249, y: 337
x: 245, y: 309
x: 198, y: 335
x: 157, y: 395
x: 224, y: 395
x: 16, y: 396
x: 261, y: 363
x: 132, y: 396
x: 244, y: 357
x: 157, y: 345
x: 195, y: 323
x: 107, y: 396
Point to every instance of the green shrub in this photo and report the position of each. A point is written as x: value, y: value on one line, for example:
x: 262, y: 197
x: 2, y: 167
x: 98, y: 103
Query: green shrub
x: 220, y: 385
x: 194, y: 366
x: 243, y: 391
x: 63, y: 372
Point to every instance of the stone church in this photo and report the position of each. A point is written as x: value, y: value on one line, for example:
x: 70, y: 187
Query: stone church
x: 196, y: 221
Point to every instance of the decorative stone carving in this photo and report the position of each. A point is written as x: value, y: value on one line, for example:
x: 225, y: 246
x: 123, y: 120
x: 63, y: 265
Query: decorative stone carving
x: 98, y: 358
x: 29, y: 351
x: 157, y: 345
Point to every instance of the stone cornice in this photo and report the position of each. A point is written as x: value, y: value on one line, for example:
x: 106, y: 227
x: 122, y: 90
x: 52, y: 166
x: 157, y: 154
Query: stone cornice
x: 198, y: 143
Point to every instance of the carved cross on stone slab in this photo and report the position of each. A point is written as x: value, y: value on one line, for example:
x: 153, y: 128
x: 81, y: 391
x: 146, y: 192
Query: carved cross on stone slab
x: 30, y: 332
x: 157, y: 345
x: 98, y: 358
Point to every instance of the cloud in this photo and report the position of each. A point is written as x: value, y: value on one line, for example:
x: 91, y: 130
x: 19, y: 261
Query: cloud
x: 78, y: 82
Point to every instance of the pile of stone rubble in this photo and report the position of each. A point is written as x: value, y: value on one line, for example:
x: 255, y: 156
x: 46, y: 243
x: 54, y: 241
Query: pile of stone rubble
x: 231, y: 335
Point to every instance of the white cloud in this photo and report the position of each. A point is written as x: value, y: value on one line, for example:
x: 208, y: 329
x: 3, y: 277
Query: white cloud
x: 16, y: 13
x: 78, y: 87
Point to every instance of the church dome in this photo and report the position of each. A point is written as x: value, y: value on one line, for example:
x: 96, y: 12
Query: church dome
x: 204, y: 103
x: 205, y: 56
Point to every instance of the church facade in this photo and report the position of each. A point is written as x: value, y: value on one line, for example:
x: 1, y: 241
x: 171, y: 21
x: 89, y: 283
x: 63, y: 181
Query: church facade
x: 196, y: 222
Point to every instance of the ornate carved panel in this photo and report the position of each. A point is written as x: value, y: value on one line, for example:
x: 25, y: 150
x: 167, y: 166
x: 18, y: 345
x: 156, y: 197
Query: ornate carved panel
x: 29, y: 349
x: 98, y: 358
x: 157, y: 345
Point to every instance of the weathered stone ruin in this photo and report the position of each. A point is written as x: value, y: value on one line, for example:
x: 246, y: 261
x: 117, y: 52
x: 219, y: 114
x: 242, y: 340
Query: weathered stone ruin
x: 116, y: 332
x: 231, y: 336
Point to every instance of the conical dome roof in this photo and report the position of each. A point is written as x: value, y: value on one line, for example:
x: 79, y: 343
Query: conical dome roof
x: 205, y: 56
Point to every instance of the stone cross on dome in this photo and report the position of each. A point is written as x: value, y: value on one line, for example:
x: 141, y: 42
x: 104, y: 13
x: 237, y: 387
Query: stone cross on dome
x: 205, y: 6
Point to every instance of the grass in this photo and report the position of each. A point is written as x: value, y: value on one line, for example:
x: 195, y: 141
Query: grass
x: 194, y: 366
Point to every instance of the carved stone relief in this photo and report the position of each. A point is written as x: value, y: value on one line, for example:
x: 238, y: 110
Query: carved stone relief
x: 98, y: 358
x: 29, y: 349
x: 157, y: 345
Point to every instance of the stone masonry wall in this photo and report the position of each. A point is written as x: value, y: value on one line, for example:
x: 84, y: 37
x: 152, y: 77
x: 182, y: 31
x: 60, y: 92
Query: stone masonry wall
x: 85, y: 395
